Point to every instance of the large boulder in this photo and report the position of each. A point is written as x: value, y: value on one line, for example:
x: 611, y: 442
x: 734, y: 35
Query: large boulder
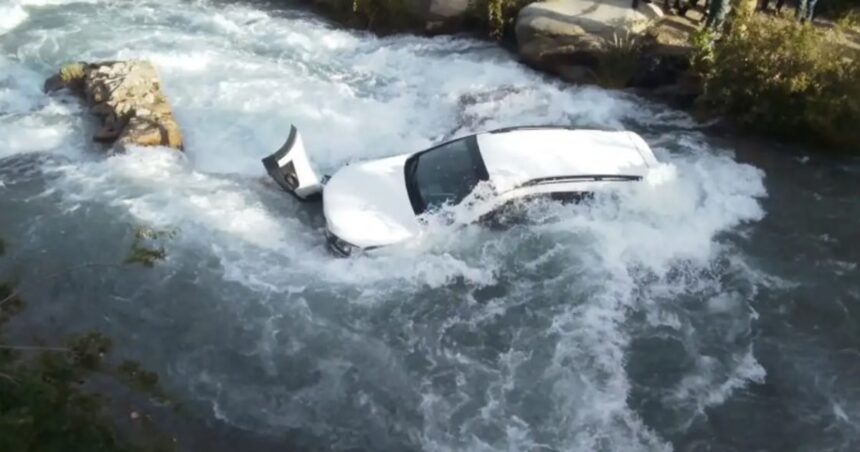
x: 127, y: 97
x: 665, y: 53
x: 569, y: 36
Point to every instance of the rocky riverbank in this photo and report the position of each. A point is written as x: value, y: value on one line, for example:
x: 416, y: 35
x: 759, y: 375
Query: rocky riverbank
x: 800, y: 89
x: 603, y: 42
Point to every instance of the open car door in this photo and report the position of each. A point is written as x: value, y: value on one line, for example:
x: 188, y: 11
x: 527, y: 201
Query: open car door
x: 290, y: 167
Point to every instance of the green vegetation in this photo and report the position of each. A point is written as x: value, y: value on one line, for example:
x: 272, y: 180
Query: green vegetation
x: 48, y: 396
x: 143, y: 251
x: 838, y: 8
x: 782, y: 78
x: 72, y: 73
x: 496, y: 17
x: 618, y: 60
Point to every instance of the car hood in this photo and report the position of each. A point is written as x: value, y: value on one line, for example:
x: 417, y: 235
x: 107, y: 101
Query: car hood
x: 366, y: 204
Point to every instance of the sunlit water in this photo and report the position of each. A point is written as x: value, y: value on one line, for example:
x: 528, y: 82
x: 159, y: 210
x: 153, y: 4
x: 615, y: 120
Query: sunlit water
x: 713, y: 307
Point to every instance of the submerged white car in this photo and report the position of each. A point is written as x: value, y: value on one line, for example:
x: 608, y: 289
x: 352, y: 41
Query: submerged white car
x: 381, y: 202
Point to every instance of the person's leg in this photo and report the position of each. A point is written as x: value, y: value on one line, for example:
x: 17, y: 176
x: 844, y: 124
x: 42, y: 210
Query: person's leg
x: 709, y: 16
x: 810, y: 9
x: 800, y: 13
x: 688, y: 6
x: 717, y: 13
x: 764, y: 4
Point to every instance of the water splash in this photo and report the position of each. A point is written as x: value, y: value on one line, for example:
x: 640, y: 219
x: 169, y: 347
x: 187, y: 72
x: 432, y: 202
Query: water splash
x: 466, y: 339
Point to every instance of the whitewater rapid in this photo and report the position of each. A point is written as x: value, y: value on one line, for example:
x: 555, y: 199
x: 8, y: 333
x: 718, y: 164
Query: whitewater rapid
x: 466, y: 339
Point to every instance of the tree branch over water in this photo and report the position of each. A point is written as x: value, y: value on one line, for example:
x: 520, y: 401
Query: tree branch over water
x: 140, y: 252
x: 48, y: 398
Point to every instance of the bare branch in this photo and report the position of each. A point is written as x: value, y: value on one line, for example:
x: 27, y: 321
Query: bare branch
x: 16, y: 292
x: 8, y: 377
x: 33, y: 347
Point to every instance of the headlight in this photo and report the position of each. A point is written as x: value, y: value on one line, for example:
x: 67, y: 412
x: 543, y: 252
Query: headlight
x: 338, y: 246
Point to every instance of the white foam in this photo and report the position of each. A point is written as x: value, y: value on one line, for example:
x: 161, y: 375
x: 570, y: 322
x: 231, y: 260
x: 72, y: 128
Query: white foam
x: 710, y: 386
x: 237, y: 77
x: 156, y: 186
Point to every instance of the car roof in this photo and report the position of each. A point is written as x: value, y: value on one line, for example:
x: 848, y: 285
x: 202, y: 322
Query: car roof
x: 519, y: 156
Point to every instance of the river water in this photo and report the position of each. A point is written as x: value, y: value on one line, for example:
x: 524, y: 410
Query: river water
x: 712, y: 308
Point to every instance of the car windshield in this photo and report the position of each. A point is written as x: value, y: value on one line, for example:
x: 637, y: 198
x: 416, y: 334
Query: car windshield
x: 444, y: 174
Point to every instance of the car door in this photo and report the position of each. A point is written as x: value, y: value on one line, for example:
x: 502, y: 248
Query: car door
x: 515, y: 211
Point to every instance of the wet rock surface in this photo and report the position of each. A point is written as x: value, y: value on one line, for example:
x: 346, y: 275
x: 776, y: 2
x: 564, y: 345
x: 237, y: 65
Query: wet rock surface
x: 545, y: 29
x: 606, y: 42
x: 126, y: 96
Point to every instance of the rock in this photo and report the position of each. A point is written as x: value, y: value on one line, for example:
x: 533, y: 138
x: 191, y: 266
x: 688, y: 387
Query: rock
x: 670, y: 35
x: 446, y: 9
x: 126, y: 96
x: 442, y: 14
x: 605, y: 41
x: 665, y: 56
x: 653, y: 70
x: 683, y: 94
x: 549, y: 27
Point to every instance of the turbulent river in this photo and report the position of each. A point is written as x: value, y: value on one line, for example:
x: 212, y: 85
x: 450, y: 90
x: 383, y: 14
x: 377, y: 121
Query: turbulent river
x: 712, y: 308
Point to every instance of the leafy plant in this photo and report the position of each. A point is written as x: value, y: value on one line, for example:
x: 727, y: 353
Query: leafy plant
x: 702, y: 57
x: 784, y: 79
x: 143, y: 252
x: 497, y: 17
x: 44, y: 404
x: 618, y: 59
x: 850, y: 19
x: 47, y: 396
x: 838, y: 8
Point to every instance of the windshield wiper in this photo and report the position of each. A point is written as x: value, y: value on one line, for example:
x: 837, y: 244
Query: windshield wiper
x: 581, y: 178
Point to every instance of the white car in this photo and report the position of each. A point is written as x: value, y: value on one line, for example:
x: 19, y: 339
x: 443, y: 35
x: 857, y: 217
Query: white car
x: 382, y: 202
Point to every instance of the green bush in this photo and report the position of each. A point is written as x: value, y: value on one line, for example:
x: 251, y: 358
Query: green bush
x: 618, y: 60
x: 837, y: 8
x: 54, y: 398
x: 784, y: 79
x: 497, y: 17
